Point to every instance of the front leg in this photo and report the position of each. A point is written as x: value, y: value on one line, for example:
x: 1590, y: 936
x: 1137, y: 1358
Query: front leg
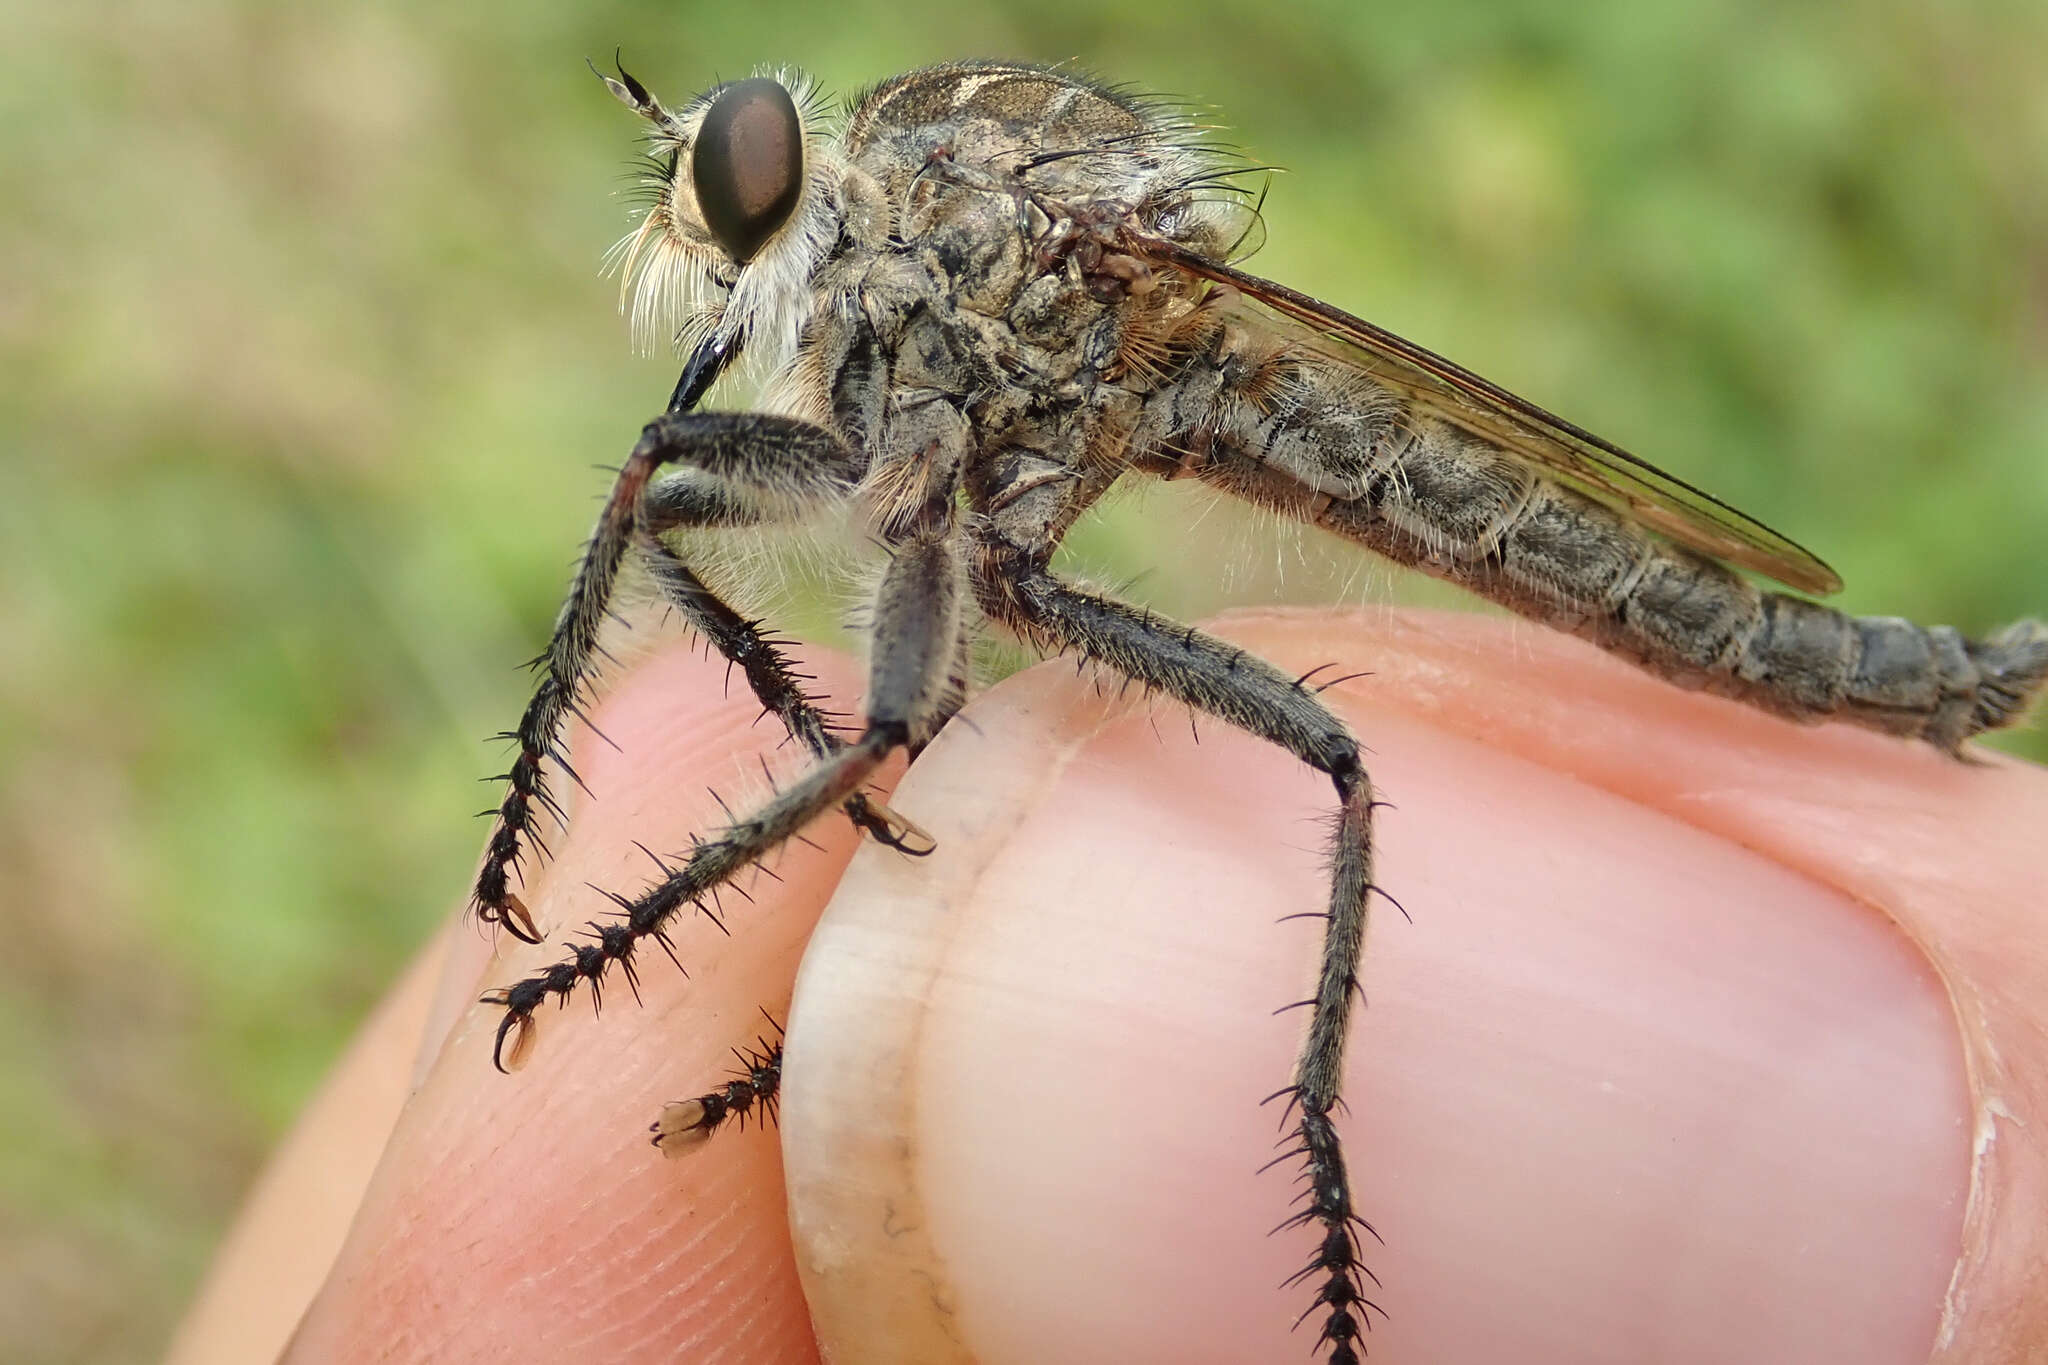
x: 917, y: 621
x: 692, y: 500
x: 1251, y: 694
x: 739, y: 469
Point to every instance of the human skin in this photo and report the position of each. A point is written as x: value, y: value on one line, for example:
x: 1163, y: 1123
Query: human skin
x: 1707, y: 1038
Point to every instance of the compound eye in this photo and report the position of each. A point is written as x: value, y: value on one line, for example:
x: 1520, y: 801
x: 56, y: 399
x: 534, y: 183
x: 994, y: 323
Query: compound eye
x: 748, y: 164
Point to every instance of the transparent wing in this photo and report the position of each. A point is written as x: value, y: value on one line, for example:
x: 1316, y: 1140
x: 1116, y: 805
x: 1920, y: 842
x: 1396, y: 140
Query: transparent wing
x: 1562, y: 450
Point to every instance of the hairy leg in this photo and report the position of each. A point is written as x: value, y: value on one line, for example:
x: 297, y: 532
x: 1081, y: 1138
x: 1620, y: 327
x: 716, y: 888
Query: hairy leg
x: 682, y: 504
x: 690, y: 502
x: 777, y: 686
x: 1251, y: 694
x: 757, y: 1084
x: 916, y: 626
x: 738, y: 468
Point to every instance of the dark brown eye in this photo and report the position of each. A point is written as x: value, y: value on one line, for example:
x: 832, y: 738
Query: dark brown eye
x: 748, y: 164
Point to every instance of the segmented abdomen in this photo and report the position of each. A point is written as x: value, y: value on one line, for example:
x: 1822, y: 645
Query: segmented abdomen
x: 1425, y: 493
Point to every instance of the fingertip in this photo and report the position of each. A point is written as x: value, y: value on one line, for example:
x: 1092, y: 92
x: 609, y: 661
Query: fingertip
x: 1617, y: 1076
x: 523, y: 1215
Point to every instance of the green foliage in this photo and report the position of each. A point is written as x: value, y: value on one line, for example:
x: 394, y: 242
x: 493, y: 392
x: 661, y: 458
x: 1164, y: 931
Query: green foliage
x: 307, y: 360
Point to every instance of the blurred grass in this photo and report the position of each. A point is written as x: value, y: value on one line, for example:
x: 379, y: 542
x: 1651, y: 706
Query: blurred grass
x: 306, y: 362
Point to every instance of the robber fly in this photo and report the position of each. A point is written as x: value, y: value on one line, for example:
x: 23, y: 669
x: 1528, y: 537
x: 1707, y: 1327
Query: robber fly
x: 977, y: 301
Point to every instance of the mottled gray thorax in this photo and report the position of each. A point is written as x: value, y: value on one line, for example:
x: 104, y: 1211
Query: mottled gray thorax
x: 966, y: 358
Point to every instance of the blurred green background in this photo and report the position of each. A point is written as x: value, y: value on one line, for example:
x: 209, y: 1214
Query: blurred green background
x: 307, y: 363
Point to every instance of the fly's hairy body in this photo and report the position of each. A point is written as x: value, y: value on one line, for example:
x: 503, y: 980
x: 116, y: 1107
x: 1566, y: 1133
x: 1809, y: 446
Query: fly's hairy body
x: 983, y: 299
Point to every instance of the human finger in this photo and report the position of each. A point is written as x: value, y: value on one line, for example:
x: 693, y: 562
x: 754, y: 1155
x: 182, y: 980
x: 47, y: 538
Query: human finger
x: 1637, y: 1079
x: 529, y: 1214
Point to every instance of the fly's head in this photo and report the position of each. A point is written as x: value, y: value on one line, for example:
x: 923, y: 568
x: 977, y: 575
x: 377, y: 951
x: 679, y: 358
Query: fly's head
x: 996, y: 188
x: 739, y: 211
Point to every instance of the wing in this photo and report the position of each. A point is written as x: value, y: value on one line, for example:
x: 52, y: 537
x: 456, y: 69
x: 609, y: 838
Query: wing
x: 1566, y: 452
